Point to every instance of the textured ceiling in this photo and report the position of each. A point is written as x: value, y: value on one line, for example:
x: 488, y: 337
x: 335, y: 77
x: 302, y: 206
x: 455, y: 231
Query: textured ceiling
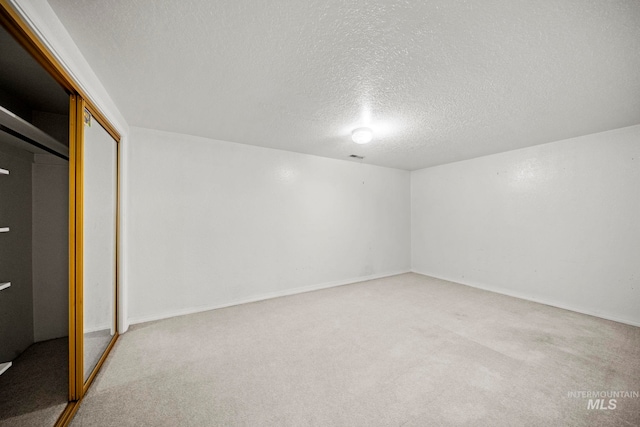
x: 437, y: 81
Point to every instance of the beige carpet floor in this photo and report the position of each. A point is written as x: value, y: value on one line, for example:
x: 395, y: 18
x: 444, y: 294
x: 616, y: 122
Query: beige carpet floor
x: 407, y: 350
x: 34, y: 391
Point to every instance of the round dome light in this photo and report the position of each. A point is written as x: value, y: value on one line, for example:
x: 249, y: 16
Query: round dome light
x: 362, y: 135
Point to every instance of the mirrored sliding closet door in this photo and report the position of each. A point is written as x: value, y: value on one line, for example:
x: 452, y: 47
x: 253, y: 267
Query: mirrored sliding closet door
x: 99, y: 189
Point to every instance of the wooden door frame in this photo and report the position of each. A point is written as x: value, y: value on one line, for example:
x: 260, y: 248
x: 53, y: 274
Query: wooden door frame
x: 79, y: 100
x: 82, y: 386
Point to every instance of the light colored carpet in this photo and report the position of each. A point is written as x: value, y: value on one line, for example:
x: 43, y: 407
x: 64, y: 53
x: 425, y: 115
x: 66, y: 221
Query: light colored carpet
x: 407, y: 350
x: 34, y: 391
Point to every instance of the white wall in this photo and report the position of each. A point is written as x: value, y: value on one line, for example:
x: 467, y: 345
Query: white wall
x: 16, y: 308
x: 556, y: 223
x: 50, y: 238
x: 215, y: 223
x: 550, y: 231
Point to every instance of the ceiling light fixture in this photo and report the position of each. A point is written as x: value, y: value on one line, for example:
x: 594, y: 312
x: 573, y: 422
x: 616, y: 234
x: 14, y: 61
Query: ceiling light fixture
x: 362, y: 135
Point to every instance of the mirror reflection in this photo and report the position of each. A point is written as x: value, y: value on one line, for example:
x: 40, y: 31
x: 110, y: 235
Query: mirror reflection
x: 99, y: 252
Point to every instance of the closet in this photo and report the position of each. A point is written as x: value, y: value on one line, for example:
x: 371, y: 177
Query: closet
x: 34, y: 269
x: 59, y: 203
x: 34, y: 244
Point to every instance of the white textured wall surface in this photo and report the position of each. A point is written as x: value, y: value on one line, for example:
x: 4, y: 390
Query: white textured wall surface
x: 50, y: 237
x: 215, y: 223
x: 556, y: 223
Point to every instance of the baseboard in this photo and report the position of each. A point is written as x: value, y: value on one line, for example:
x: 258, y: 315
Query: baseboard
x: 519, y: 295
x: 262, y: 297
